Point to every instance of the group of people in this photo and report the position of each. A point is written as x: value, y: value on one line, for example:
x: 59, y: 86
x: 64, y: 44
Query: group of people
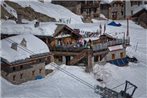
x: 84, y: 43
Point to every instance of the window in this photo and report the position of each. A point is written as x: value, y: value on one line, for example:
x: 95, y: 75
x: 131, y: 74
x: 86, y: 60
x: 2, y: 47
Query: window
x: 121, y: 54
x: 131, y: 12
x: 21, y: 67
x: 122, y: 13
x: 33, y: 72
x: 95, y: 58
x: 40, y: 70
x: 113, y: 56
x: 14, y: 68
x: 60, y: 58
x: 21, y: 75
x: 14, y: 77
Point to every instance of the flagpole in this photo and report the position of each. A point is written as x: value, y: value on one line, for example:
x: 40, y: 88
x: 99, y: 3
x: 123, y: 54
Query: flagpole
x: 127, y: 27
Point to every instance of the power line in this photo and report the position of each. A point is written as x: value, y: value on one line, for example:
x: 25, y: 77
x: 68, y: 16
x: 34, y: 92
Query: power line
x: 73, y: 76
x: 25, y: 49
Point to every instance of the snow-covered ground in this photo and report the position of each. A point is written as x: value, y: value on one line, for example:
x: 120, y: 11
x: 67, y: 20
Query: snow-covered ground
x: 59, y: 85
x: 56, y: 11
x: 56, y: 85
x: 136, y: 73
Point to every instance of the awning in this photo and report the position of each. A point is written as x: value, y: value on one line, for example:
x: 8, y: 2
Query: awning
x: 119, y: 62
x: 114, y: 24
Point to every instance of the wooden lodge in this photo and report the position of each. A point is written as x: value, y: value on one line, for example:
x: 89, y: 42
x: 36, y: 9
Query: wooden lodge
x: 88, y: 53
x: 64, y: 35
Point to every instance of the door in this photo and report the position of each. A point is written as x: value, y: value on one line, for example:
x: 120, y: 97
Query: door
x: 67, y: 59
x: 121, y: 55
x: 113, y: 56
x: 114, y: 15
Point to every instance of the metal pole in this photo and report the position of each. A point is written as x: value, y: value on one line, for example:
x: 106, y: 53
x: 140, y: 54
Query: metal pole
x: 127, y: 27
x: 136, y: 47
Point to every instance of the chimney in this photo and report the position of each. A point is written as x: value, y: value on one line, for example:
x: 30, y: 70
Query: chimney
x: 14, y: 46
x: 23, y: 43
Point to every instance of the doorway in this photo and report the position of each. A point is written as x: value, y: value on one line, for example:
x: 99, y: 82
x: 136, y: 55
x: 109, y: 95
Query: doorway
x: 67, y: 59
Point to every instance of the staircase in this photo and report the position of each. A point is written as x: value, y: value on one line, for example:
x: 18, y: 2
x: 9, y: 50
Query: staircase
x: 78, y: 57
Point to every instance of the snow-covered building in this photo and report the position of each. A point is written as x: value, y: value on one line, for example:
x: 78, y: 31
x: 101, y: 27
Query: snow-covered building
x: 132, y: 6
x: 113, y: 9
x: 23, y: 58
x: 139, y: 16
x: 64, y: 35
x: 88, y: 9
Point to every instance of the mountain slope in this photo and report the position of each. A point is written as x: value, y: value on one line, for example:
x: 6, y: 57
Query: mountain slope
x: 28, y: 13
x: 56, y: 11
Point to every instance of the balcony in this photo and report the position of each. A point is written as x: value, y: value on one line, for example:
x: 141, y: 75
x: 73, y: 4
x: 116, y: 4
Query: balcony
x: 103, y: 46
x: 95, y: 47
x: 90, y: 5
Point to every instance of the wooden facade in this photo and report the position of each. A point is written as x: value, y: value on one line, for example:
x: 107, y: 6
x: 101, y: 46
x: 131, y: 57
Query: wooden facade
x: 64, y: 36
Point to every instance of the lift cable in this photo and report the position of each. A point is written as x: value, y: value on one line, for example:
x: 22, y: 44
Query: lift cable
x: 23, y: 48
x: 73, y: 76
x: 118, y: 86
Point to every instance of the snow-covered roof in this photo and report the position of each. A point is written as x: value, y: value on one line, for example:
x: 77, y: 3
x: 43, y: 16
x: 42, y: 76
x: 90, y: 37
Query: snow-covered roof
x: 52, y: 10
x: 33, y: 46
x: 116, y: 32
x: 91, y: 38
x: 86, y: 27
x: 44, y: 29
x: 117, y: 47
x: 106, y: 1
x: 62, y: 36
x: 140, y: 8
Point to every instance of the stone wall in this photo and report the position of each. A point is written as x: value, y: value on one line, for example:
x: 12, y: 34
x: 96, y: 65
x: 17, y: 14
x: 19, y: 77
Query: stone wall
x: 25, y: 75
x: 118, y: 9
x: 116, y: 53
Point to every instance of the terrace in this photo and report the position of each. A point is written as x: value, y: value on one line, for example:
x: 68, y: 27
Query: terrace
x: 96, y: 47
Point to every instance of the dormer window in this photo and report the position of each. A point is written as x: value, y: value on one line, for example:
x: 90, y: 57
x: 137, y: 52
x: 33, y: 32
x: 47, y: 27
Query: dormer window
x: 14, y: 46
x: 23, y: 43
